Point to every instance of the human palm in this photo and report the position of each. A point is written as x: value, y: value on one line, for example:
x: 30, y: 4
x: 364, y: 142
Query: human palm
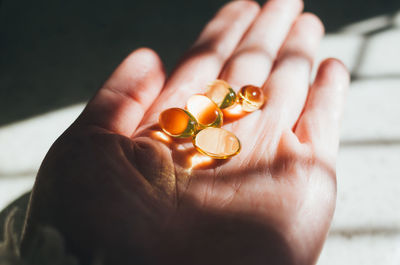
x: 114, y: 184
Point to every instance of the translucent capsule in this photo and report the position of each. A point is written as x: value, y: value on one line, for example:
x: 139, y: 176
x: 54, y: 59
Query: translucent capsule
x: 217, y: 143
x: 221, y: 93
x: 177, y: 122
x: 251, y: 98
x: 205, y: 111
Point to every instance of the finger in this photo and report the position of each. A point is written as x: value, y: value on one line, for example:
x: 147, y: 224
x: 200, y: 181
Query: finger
x: 205, y: 59
x: 120, y: 104
x: 287, y: 87
x: 253, y: 58
x: 319, y: 123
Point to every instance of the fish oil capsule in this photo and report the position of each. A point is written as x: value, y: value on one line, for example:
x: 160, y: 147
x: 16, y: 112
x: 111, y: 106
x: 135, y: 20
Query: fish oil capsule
x: 251, y: 98
x: 177, y: 122
x: 205, y: 111
x: 217, y: 143
x: 221, y: 93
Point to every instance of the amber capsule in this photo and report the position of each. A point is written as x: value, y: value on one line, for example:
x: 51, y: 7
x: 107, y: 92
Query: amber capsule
x: 205, y: 111
x: 221, y: 93
x: 217, y: 143
x: 177, y: 122
x: 251, y: 98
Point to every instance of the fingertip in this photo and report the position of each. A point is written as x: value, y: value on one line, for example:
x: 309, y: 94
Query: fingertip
x: 303, y: 39
x: 144, y: 57
x: 335, y: 65
x: 311, y: 21
x: 250, y: 4
x: 232, y: 18
x: 301, y: 5
x: 245, y: 5
x: 236, y: 8
x: 333, y: 71
x: 297, y: 5
x: 141, y: 68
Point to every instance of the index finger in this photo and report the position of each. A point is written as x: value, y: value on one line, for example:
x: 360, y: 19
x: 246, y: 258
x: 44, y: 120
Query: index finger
x: 205, y: 59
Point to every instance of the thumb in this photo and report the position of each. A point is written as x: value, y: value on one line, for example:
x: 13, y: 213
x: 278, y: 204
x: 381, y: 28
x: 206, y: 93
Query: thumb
x: 120, y: 104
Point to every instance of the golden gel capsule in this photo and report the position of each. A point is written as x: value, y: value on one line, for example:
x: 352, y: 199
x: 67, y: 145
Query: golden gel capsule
x: 205, y: 111
x: 217, y: 143
x: 221, y: 93
x: 251, y: 98
x: 177, y: 122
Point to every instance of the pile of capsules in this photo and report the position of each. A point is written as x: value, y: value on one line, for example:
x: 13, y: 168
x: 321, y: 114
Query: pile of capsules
x: 202, y: 118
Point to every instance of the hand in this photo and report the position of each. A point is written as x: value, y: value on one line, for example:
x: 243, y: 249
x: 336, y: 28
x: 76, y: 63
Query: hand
x: 112, y: 186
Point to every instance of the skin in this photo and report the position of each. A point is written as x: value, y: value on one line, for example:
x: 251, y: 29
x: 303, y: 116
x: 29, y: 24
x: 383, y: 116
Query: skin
x: 118, y: 189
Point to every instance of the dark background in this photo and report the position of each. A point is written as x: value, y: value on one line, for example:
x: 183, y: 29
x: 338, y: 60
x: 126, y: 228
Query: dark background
x: 54, y: 53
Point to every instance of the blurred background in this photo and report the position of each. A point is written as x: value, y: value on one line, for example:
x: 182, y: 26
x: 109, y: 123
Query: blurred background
x: 54, y: 54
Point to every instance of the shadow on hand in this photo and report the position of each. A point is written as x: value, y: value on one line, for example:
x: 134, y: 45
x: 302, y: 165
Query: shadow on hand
x: 121, y: 216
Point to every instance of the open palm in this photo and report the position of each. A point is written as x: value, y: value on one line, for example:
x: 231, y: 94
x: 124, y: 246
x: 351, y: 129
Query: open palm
x: 115, y: 186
